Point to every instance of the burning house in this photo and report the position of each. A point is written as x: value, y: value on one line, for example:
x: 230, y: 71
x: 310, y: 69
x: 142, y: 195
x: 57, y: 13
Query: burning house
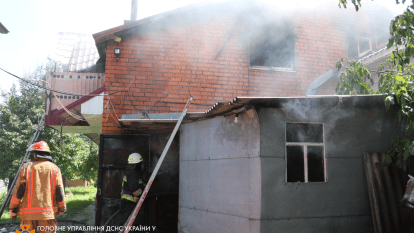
x: 288, y: 163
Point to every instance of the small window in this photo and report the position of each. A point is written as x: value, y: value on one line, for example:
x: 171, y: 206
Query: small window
x: 358, y: 47
x: 364, y: 46
x: 305, y: 157
x: 273, y: 47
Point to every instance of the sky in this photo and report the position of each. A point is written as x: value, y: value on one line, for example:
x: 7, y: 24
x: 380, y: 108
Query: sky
x: 34, y: 24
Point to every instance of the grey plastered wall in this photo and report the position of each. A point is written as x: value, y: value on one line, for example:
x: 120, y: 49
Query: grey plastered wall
x: 220, y: 180
x: 342, y: 203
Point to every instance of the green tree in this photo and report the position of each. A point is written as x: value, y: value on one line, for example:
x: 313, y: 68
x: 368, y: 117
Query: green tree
x: 395, y: 79
x: 19, y: 118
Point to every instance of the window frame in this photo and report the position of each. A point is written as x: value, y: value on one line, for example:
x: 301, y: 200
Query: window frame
x: 361, y: 54
x: 305, y: 152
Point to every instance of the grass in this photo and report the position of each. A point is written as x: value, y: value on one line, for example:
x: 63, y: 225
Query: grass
x: 81, y: 198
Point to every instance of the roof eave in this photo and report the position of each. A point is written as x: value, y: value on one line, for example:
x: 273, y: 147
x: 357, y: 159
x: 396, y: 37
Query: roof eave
x: 3, y: 29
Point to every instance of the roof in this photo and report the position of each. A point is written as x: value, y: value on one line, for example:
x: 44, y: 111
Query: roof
x: 155, y: 121
x: 184, y: 14
x: 314, y: 102
x: 371, y: 61
x: 313, y: 87
x: 76, y: 83
x: 239, y: 104
x: 3, y: 29
x: 55, y: 117
x: 75, y: 51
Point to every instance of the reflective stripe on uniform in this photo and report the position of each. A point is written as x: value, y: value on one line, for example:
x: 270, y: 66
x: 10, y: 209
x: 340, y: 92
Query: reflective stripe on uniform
x: 36, y: 208
x: 142, y: 182
x: 129, y: 197
x: 30, y: 185
x: 124, y: 180
x: 15, y: 200
x: 37, y: 211
x: 52, y: 184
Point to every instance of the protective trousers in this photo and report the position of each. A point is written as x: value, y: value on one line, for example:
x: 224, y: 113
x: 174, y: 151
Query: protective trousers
x: 127, y: 208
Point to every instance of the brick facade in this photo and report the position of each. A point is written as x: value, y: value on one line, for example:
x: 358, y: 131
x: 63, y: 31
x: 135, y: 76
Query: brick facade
x: 170, y: 65
x: 75, y: 183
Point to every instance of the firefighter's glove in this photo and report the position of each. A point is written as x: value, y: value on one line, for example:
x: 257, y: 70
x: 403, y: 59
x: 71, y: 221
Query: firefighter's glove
x: 13, y: 213
x: 59, y: 213
x: 137, y: 193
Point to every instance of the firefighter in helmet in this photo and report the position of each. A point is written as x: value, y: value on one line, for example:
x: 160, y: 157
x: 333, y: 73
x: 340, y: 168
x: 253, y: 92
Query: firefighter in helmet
x: 132, y: 188
x: 38, y: 196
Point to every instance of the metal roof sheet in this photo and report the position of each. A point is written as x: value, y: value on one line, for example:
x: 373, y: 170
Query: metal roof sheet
x: 321, y: 103
x: 77, y: 83
x: 3, y: 29
x: 76, y: 51
x: 55, y: 115
x: 313, y: 87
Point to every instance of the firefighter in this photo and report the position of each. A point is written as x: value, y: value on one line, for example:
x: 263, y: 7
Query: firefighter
x: 407, y: 207
x: 132, y: 188
x: 38, y: 197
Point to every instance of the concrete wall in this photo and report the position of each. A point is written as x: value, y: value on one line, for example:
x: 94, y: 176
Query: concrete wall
x: 220, y: 180
x: 339, y: 205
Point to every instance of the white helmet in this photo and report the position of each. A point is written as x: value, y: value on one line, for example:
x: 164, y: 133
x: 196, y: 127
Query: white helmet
x: 134, y: 158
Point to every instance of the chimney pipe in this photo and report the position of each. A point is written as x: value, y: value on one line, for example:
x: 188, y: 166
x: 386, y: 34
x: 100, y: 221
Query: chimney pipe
x: 134, y: 10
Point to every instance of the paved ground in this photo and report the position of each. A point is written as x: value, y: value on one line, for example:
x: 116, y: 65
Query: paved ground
x: 87, y: 215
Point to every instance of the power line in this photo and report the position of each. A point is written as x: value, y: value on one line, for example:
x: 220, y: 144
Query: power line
x: 17, y: 90
x: 68, y: 93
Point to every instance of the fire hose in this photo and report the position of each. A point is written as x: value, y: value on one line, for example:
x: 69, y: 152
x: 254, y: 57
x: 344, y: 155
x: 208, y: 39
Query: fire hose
x: 113, y: 216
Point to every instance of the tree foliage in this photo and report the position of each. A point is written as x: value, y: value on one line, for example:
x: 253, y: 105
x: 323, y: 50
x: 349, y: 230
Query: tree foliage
x: 395, y: 79
x: 19, y: 118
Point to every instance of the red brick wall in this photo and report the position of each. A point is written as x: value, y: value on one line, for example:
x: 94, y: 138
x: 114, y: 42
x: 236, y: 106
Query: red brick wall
x: 173, y: 64
x: 74, y: 183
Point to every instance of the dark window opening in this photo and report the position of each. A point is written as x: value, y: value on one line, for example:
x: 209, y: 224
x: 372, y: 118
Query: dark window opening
x: 305, y: 158
x: 298, y: 132
x: 315, y: 164
x: 273, y: 46
x: 295, y: 164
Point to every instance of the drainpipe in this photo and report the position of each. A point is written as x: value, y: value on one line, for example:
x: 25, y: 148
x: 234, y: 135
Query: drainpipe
x: 134, y: 10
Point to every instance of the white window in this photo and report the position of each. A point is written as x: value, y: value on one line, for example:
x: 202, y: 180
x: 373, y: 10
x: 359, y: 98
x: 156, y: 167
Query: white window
x: 305, y: 152
x: 364, y: 45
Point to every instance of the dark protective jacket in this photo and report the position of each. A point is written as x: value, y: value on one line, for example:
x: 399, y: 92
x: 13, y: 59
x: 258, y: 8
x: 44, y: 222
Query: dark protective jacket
x: 133, y: 181
x: 38, y: 194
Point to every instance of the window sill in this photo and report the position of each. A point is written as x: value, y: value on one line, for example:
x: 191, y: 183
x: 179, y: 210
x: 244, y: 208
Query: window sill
x: 309, y: 182
x: 278, y: 69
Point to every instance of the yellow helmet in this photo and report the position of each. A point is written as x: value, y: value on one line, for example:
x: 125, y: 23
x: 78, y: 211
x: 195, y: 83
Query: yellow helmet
x: 134, y: 158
